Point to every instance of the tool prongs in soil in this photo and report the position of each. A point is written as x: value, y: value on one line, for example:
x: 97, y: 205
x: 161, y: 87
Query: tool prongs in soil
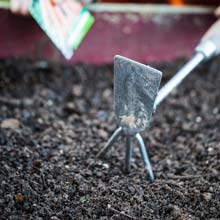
x: 128, y: 156
x: 110, y: 142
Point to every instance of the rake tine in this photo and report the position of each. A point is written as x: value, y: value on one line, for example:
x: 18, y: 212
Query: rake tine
x: 144, y: 155
x: 110, y: 142
x: 128, y: 154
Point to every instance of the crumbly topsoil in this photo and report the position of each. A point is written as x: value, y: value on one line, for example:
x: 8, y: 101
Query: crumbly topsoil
x: 54, y: 120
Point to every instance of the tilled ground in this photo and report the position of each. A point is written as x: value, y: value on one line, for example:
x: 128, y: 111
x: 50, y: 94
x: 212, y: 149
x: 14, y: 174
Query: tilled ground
x: 54, y: 119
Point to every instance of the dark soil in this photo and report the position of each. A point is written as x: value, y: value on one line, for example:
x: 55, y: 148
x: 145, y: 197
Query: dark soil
x: 62, y: 116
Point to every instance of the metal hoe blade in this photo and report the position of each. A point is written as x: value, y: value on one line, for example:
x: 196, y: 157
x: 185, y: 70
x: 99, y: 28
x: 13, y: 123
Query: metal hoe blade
x: 135, y: 90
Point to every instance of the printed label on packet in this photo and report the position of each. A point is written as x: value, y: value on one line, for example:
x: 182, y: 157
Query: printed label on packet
x: 66, y: 22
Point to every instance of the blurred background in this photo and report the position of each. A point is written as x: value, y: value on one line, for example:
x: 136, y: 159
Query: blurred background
x: 145, y: 30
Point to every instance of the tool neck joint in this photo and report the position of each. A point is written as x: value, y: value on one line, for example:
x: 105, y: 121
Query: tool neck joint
x: 208, y: 48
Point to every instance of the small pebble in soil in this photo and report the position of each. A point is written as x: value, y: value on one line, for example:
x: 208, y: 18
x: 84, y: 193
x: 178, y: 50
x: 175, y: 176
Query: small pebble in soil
x: 20, y: 198
x: 103, y: 134
x: 77, y: 90
x: 207, y: 196
x: 36, y: 163
x: 10, y: 123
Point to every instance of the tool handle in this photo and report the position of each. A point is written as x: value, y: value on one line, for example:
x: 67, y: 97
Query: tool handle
x: 210, y: 42
x: 208, y: 47
x: 213, y: 32
x: 178, y: 78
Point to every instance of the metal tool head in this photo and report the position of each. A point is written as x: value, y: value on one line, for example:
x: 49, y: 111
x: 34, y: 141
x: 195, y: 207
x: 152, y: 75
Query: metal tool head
x: 135, y: 91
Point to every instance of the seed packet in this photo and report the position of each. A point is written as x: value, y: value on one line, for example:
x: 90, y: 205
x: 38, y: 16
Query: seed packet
x: 66, y: 22
x: 4, y: 4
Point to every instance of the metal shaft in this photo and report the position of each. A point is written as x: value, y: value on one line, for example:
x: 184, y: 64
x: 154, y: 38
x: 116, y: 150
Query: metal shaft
x: 128, y: 154
x: 110, y: 142
x: 144, y: 155
x: 177, y: 79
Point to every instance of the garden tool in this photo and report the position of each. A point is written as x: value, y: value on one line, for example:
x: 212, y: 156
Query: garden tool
x: 135, y: 91
x: 208, y: 47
